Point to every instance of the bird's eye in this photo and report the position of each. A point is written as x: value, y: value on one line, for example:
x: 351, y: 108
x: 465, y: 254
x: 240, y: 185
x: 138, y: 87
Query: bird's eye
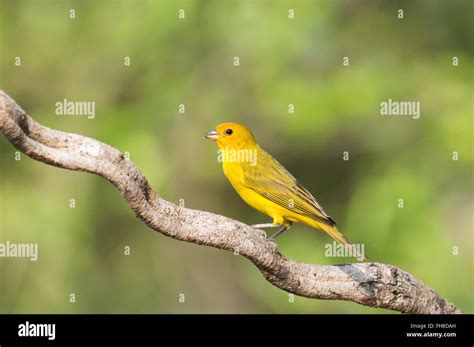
x: 229, y: 131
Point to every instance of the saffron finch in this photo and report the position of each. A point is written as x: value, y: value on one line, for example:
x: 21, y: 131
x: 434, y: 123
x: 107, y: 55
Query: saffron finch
x: 264, y: 184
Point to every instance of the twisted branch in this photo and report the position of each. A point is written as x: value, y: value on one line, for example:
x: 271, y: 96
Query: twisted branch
x: 370, y: 284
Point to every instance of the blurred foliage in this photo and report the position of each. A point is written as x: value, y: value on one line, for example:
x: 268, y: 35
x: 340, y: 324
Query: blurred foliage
x: 282, y: 61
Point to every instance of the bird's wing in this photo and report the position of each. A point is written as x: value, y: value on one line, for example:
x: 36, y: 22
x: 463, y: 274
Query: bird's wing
x: 271, y: 180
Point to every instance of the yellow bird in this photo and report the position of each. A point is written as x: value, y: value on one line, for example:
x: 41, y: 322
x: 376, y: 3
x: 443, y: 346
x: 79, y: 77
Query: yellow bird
x: 264, y: 184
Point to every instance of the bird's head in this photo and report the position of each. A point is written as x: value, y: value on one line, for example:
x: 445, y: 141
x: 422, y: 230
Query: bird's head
x: 231, y: 135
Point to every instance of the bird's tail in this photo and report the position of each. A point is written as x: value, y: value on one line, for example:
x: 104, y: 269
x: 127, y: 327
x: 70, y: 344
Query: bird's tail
x: 339, y: 237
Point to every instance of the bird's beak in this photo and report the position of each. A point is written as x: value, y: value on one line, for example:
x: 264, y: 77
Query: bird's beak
x: 212, y: 135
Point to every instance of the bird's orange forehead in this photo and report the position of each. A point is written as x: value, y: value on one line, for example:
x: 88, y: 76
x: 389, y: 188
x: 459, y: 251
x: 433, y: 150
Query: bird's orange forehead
x: 221, y: 128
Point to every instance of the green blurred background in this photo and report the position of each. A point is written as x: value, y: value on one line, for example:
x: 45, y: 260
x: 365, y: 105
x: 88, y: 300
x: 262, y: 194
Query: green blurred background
x: 282, y: 61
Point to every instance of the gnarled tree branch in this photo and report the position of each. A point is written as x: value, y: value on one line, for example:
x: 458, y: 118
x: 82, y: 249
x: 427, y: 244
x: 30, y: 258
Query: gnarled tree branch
x: 370, y: 284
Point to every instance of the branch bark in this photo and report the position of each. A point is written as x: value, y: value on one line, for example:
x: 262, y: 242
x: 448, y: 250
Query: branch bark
x: 371, y: 284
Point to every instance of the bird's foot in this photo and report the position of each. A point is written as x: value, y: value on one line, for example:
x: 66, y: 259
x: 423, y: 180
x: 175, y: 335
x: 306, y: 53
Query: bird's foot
x: 265, y: 225
x: 279, y: 232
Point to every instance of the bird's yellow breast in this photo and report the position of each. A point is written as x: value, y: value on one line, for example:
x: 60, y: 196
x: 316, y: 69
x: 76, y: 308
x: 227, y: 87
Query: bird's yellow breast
x: 235, y: 174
